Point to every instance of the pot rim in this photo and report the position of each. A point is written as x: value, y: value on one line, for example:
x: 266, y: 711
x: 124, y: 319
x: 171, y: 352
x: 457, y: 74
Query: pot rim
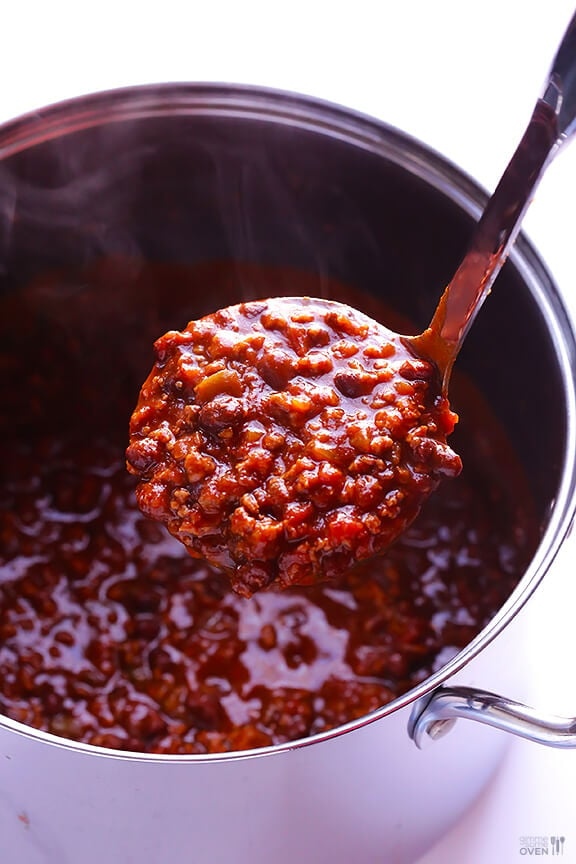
x: 359, y: 130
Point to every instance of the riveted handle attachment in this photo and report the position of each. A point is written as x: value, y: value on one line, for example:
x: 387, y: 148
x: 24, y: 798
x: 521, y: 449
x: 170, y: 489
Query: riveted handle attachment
x: 434, y: 716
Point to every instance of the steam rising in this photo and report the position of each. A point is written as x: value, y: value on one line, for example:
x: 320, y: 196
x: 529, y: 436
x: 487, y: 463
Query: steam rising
x: 188, y: 190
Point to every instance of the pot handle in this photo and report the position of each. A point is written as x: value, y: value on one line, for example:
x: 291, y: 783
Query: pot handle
x: 433, y: 717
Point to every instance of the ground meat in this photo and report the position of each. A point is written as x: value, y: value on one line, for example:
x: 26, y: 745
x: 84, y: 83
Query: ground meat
x: 110, y: 634
x: 283, y: 440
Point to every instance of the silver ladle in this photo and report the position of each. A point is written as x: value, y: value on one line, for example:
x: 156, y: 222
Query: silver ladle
x: 553, y: 122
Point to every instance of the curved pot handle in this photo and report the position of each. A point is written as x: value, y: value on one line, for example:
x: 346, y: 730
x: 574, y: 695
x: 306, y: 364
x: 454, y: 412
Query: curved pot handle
x: 434, y: 716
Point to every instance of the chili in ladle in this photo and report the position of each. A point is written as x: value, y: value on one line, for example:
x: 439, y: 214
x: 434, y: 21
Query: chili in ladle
x: 285, y: 439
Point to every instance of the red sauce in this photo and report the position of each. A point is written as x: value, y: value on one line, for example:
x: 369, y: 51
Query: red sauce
x: 111, y: 634
x: 286, y: 439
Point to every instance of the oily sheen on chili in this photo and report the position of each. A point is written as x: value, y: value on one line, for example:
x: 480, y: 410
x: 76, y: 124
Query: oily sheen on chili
x: 285, y: 439
x: 112, y: 635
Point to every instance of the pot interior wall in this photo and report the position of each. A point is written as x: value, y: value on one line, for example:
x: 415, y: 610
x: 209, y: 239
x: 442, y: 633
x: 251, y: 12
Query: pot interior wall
x: 186, y: 190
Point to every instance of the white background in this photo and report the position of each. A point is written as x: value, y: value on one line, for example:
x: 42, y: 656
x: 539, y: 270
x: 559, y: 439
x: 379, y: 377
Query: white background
x: 461, y: 76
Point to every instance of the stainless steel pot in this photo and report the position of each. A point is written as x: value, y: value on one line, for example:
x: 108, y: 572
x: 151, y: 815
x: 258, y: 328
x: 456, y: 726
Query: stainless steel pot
x: 189, y: 172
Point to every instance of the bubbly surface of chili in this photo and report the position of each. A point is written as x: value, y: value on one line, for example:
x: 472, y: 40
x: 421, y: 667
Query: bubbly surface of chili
x: 112, y: 635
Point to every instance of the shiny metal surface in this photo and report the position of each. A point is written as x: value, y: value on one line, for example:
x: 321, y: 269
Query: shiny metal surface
x: 551, y: 125
x: 560, y: 87
x: 448, y: 704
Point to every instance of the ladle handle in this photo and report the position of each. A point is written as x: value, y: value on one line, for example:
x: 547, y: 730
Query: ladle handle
x: 560, y: 88
x: 553, y: 122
